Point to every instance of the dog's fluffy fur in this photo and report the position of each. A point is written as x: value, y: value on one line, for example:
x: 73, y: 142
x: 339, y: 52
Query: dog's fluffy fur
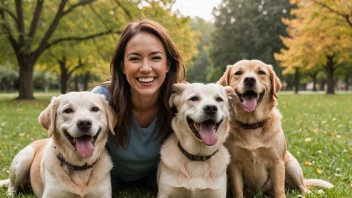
x: 259, y: 159
x: 201, y: 126
x: 78, y: 125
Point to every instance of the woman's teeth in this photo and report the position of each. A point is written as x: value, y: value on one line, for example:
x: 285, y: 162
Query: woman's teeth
x: 146, y: 80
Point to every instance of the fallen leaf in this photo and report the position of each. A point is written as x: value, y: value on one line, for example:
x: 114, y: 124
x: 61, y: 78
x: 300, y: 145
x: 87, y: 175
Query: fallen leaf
x: 350, y: 185
x: 319, y: 171
x: 308, y: 163
x: 338, y: 136
x: 308, y: 139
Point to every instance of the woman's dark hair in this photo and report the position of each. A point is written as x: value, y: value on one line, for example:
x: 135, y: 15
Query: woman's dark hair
x: 120, y: 89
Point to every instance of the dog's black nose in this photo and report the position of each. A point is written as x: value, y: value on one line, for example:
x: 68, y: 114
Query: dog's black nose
x: 84, y: 125
x: 210, y: 109
x: 250, y: 81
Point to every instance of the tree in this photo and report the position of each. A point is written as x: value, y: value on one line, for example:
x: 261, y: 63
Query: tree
x: 248, y: 30
x: 201, y: 65
x: 28, y: 44
x: 320, y: 35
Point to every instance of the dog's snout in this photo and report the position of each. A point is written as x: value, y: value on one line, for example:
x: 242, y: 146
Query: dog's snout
x: 84, y: 125
x: 250, y: 81
x: 210, y: 109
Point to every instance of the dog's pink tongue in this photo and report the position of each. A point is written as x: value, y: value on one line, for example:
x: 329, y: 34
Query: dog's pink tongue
x: 208, y: 134
x: 249, y: 104
x: 84, y: 146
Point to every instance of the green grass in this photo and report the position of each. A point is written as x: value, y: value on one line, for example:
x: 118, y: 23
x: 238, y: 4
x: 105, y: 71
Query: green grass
x: 318, y: 130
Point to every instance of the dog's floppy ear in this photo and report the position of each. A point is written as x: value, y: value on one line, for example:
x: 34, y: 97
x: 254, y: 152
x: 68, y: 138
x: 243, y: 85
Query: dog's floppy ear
x: 110, y: 114
x: 225, y: 78
x: 275, y: 83
x: 177, y: 90
x: 47, y: 117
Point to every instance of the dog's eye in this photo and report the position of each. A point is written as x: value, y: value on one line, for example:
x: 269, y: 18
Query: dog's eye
x: 238, y: 73
x: 261, y: 72
x: 95, y: 109
x: 68, y: 110
x: 219, y: 99
x: 194, y: 98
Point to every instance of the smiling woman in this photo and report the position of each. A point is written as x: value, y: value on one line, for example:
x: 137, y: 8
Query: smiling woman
x: 145, y: 66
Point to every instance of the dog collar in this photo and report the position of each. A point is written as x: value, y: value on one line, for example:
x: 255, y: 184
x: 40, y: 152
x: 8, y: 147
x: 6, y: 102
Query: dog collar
x: 72, y: 167
x: 251, y: 126
x: 194, y: 157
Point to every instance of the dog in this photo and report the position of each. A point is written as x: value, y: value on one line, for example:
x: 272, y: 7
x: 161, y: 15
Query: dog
x: 73, y: 161
x: 256, y: 142
x: 193, y: 159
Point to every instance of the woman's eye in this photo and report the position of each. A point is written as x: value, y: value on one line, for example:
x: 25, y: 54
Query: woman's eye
x: 68, y: 110
x: 156, y: 58
x: 134, y: 59
x: 194, y: 98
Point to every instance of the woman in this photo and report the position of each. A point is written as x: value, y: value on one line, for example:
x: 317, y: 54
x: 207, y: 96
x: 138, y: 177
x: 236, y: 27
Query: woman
x: 145, y: 65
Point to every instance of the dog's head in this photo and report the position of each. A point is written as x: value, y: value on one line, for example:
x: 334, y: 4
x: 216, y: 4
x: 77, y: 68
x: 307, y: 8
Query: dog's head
x: 79, y: 121
x: 254, y: 82
x: 202, y: 112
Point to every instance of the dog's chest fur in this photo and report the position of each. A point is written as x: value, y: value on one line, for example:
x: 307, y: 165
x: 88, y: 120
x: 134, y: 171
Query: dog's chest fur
x: 198, y: 174
x: 257, y: 150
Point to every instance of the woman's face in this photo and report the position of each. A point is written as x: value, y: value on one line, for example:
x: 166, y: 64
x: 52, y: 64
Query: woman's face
x: 145, y: 64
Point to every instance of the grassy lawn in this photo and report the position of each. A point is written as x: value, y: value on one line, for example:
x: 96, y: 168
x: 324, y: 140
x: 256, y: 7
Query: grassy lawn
x: 318, y: 131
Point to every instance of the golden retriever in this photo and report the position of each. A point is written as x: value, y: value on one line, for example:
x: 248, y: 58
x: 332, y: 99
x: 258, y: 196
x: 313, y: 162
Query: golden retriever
x: 259, y: 158
x: 73, y: 162
x: 193, y: 159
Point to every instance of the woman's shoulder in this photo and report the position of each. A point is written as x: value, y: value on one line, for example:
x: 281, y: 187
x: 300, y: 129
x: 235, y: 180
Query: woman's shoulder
x: 103, y: 90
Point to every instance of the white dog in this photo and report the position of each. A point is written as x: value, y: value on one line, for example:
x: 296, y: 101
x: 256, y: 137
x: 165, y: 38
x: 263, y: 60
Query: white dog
x: 193, y: 159
x: 73, y: 161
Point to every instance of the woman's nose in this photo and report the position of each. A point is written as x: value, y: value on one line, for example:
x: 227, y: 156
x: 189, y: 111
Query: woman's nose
x: 146, y: 67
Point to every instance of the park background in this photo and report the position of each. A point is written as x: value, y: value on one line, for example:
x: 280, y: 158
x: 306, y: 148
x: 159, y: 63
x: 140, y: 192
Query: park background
x: 53, y: 47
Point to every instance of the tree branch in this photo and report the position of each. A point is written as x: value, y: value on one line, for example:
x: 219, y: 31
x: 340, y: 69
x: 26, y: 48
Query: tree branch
x: 8, y: 11
x: 124, y: 9
x: 59, y: 14
x: 7, y: 30
x: 20, y: 22
x: 345, y: 16
x: 80, y: 38
x: 36, y: 16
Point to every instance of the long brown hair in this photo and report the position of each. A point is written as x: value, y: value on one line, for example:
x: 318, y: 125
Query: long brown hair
x: 120, y: 89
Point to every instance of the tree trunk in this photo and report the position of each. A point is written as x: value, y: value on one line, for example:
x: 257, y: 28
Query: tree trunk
x: 296, y: 80
x: 86, y: 78
x: 26, y: 89
x: 315, y: 83
x: 347, y: 81
x: 330, y: 75
x: 64, y: 75
x: 76, y: 83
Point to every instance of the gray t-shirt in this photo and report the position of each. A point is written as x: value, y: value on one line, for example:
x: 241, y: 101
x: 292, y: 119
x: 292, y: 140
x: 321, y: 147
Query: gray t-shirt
x: 142, y: 154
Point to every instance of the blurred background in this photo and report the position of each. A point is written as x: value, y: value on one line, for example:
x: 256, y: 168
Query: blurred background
x: 67, y: 45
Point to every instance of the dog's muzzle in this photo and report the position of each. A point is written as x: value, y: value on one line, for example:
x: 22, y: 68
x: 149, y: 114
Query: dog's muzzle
x: 205, y: 131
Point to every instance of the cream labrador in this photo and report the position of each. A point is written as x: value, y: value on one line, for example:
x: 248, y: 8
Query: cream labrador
x: 256, y: 141
x: 193, y: 159
x: 73, y: 162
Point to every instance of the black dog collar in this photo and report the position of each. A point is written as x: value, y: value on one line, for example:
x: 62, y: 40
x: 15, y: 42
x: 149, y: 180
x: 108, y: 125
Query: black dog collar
x: 194, y: 157
x: 72, y: 167
x: 251, y: 126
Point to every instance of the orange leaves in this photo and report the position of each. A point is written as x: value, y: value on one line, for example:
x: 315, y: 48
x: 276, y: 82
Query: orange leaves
x: 319, y: 171
x: 308, y: 163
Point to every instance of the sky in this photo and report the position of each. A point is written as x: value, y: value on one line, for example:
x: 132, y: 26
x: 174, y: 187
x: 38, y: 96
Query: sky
x: 200, y: 8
